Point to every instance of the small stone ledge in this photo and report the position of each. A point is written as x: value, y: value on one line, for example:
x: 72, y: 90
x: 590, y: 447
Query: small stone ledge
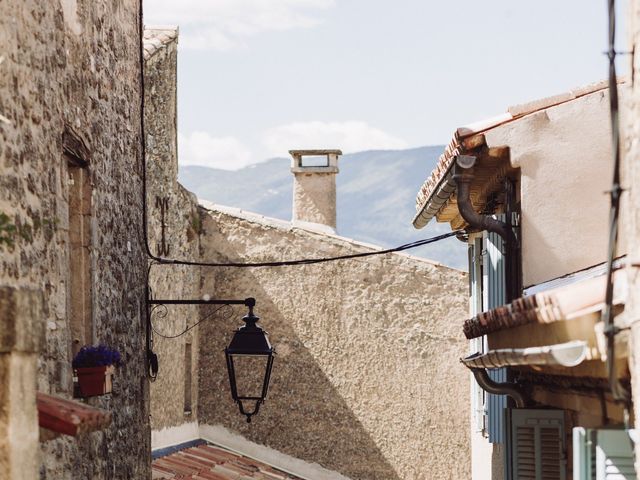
x: 21, y: 322
x: 68, y: 417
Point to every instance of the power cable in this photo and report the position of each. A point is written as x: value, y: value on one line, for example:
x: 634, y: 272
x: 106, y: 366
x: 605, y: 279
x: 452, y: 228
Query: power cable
x: 619, y: 392
x: 309, y: 261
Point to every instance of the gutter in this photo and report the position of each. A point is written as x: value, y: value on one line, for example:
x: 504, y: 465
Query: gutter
x: 442, y: 193
x: 569, y: 354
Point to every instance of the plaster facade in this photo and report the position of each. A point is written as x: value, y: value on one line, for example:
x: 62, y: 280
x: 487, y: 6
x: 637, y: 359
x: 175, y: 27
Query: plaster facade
x: 314, y: 188
x: 69, y: 98
x: 366, y: 381
x: 563, y: 153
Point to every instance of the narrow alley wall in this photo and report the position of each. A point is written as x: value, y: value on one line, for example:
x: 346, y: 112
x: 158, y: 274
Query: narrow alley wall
x: 70, y: 135
x: 174, y: 227
x: 367, y: 379
x: 630, y: 211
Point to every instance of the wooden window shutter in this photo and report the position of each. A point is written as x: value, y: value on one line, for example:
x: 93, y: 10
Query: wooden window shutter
x: 603, y: 454
x: 537, y: 444
x: 494, y: 296
x: 614, y: 455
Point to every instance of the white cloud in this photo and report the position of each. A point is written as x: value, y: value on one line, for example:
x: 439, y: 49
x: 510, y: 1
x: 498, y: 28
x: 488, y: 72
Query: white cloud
x: 352, y: 136
x: 226, y: 24
x: 200, y: 148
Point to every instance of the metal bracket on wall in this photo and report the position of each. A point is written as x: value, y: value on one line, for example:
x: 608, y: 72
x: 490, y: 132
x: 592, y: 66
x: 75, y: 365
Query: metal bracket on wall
x: 163, y: 204
x: 158, y: 307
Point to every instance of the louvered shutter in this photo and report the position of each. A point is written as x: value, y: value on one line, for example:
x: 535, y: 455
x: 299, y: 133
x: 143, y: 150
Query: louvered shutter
x: 614, y: 455
x: 603, y: 454
x: 537, y: 444
x: 494, y: 296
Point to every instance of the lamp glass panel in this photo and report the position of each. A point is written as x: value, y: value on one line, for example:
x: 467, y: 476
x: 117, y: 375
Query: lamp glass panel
x: 250, y: 371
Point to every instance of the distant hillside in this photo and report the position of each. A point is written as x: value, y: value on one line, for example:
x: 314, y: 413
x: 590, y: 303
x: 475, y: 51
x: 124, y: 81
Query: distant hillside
x: 376, y: 196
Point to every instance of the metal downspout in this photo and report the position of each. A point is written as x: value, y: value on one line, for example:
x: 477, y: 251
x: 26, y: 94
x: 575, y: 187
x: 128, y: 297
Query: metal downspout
x: 463, y: 176
x: 511, y: 389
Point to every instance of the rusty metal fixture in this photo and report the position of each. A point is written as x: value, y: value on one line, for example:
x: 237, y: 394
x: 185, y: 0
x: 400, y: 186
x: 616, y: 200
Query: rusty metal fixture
x: 463, y: 176
x: 512, y: 390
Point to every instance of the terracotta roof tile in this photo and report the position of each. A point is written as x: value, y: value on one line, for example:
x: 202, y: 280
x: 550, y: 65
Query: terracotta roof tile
x: 157, y: 37
x: 566, y: 302
x: 209, y: 462
x: 457, y: 144
x: 69, y: 417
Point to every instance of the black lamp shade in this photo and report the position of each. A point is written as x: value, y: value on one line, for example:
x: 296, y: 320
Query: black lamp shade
x: 249, y: 361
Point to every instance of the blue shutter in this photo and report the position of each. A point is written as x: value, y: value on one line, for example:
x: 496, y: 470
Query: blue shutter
x: 494, y: 293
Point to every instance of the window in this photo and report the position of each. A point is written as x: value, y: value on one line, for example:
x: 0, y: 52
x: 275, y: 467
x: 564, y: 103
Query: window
x: 187, y: 378
x: 314, y: 161
x: 80, y: 278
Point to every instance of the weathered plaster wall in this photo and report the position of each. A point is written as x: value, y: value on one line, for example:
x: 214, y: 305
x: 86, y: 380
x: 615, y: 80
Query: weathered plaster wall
x: 564, y: 153
x: 76, y: 63
x: 314, y: 198
x: 367, y: 380
x: 630, y: 225
x: 181, y: 236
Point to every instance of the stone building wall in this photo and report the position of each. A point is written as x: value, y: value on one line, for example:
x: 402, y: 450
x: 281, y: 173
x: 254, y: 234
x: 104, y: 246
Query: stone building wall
x: 173, y: 395
x: 630, y: 221
x: 73, y: 66
x: 367, y: 380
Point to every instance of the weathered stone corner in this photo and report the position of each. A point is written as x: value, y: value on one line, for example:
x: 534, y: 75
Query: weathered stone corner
x: 21, y: 320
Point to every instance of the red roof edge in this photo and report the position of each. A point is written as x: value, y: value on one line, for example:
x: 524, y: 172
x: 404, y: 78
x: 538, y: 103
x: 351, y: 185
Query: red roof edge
x: 69, y: 417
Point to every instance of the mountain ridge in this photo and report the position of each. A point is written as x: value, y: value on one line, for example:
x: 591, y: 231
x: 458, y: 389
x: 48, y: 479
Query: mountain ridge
x: 375, y: 196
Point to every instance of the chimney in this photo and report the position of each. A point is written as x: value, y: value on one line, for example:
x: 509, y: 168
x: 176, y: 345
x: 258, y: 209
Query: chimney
x: 314, y: 186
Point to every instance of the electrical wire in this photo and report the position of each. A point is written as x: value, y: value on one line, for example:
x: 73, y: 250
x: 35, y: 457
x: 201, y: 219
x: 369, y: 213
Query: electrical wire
x: 618, y: 391
x: 168, y: 261
x: 309, y: 261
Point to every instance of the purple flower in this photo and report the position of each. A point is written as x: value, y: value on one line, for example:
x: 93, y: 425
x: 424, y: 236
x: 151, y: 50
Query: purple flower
x: 96, y: 356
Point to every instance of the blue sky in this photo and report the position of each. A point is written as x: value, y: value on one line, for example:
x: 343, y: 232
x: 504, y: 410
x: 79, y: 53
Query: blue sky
x: 259, y: 77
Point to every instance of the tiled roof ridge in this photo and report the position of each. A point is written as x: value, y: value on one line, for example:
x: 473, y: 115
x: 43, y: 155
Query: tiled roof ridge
x: 555, y: 305
x: 156, y: 37
x: 456, y: 146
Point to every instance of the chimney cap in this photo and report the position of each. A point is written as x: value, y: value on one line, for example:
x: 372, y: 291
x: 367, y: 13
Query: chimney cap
x: 315, y: 152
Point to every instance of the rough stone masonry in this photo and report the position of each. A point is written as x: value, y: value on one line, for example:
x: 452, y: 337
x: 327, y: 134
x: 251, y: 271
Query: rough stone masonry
x: 70, y: 129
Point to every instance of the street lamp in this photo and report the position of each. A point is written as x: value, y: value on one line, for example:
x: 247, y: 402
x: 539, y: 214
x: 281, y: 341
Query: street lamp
x: 249, y: 355
x: 249, y: 362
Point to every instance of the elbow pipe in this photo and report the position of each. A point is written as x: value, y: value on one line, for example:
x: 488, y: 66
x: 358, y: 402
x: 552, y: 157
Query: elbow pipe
x: 490, y: 386
x: 463, y: 176
x: 475, y: 219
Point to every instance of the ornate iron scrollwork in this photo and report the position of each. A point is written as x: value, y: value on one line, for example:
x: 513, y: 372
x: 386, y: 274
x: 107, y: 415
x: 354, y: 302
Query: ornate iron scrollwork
x: 163, y: 204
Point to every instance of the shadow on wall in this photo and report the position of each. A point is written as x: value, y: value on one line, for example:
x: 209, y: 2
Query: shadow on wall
x: 304, y: 415
x: 366, y: 381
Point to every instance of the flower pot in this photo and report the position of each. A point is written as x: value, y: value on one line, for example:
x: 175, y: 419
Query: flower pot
x: 94, y: 381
